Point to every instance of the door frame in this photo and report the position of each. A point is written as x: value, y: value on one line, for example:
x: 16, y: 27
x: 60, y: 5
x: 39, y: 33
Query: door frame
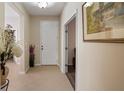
x: 66, y: 48
x: 23, y: 68
x: 75, y: 15
x: 41, y: 43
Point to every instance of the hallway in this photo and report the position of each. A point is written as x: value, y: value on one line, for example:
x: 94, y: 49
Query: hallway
x: 45, y: 78
x: 99, y: 56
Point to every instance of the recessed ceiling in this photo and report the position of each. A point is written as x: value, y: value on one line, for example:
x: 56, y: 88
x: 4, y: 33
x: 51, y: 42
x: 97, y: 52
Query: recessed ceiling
x: 53, y: 8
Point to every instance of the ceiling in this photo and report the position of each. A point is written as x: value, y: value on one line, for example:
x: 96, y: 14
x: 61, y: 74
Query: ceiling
x: 53, y: 9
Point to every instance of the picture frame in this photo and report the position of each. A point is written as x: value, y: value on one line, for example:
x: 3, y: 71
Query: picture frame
x: 103, y: 22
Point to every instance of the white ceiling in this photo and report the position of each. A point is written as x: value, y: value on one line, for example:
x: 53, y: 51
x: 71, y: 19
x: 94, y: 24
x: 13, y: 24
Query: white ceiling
x: 53, y: 9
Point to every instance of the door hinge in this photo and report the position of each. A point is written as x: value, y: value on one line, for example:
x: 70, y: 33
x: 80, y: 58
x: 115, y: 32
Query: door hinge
x: 66, y: 65
x: 66, y: 48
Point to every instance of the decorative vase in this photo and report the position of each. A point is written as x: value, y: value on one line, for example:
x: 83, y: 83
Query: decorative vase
x: 3, y: 77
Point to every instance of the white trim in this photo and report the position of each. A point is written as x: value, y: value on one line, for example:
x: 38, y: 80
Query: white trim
x: 62, y: 70
x: 63, y: 41
x: 27, y: 68
x: 75, y: 15
x: 22, y: 72
x: 71, y: 18
x: 59, y: 67
x: 37, y: 64
x: 40, y: 45
x: 21, y: 15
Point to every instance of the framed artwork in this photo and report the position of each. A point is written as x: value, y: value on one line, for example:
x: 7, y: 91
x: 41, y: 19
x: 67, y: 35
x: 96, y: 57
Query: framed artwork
x: 103, y: 21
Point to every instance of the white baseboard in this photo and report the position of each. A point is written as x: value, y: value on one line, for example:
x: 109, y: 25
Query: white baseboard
x: 24, y: 72
x: 27, y: 68
x: 59, y: 66
x: 62, y: 70
x: 47, y: 65
x: 37, y: 64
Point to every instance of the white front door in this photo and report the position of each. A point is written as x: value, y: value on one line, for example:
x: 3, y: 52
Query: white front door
x: 49, y: 42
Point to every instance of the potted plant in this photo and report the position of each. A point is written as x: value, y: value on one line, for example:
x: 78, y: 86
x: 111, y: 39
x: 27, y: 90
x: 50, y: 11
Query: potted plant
x: 8, y: 48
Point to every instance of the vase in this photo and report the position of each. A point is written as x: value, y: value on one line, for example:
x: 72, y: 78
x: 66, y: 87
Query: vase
x: 3, y: 77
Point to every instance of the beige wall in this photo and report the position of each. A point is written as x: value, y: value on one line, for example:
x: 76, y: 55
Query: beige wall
x: 35, y: 34
x: 100, y: 66
x: 2, y: 8
x: 1, y: 24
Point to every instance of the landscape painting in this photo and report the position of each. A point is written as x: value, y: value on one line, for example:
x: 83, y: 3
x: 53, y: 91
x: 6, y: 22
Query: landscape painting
x: 104, y: 21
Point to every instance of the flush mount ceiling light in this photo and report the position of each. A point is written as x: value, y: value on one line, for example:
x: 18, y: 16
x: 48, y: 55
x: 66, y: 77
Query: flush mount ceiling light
x: 42, y: 4
x: 88, y: 4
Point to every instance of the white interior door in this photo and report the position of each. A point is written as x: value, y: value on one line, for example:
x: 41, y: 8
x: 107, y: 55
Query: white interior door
x: 49, y: 42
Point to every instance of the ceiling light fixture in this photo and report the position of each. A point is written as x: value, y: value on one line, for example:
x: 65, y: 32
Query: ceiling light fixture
x: 42, y: 4
x: 89, y: 4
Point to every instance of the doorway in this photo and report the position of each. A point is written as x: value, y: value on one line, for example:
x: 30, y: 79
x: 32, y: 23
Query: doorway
x: 71, y: 50
x: 15, y: 20
x: 49, y: 42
